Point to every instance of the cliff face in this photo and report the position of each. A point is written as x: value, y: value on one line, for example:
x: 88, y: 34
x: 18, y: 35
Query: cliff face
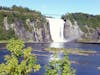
x: 33, y: 33
x: 30, y: 25
x: 23, y: 23
x: 72, y: 31
x: 41, y: 33
x: 89, y: 24
x: 91, y: 33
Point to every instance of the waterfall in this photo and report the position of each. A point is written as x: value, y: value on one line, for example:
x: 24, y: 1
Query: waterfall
x: 56, y: 29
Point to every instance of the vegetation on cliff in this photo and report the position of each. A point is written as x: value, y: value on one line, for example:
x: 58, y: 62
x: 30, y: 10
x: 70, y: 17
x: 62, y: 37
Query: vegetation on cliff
x: 18, y: 13
x: 89, y: 24
x: 83, y: 19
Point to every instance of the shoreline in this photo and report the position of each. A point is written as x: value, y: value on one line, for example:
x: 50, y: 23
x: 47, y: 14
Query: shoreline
x: 25, y: 42
x: 85, y: 41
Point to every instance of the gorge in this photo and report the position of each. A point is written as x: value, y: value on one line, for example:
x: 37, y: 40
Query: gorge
x: 54, y: 30
x: 28, y: 28
x: 31, y: 25
x: 41, y: 32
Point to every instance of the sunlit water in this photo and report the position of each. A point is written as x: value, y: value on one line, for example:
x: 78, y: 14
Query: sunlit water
x: 86, y: 65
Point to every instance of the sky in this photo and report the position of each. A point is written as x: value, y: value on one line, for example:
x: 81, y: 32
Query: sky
x: 56, y: 8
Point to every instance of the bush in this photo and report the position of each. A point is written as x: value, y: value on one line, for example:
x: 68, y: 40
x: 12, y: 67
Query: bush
x: 20, y: 61
x: 83, y: 19
x: 59, y: 66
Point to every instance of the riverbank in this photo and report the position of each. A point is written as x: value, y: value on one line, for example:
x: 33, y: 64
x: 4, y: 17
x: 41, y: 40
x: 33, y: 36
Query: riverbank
x: 87, y: 41
x: 6, y: 41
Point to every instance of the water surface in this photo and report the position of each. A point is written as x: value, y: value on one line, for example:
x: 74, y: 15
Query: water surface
x: 86, y: 65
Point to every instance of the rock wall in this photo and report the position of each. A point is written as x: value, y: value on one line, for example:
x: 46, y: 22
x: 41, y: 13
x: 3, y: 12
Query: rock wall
x: 42, y: 33
x: 92, y: 34
x: 72, y: 31
x: 36, y: 34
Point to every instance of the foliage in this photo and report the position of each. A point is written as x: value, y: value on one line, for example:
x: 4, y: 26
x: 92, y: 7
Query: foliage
x: 20, y: 62
x: 60, y: 67
x: 6, y: 35
x: 83, y: 19
x: 19, y: 13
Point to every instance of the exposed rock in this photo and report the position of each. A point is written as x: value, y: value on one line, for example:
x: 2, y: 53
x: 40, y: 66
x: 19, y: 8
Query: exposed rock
x: 29, y: 23
x: 6, y: 23
x: 92, y: 34
x: 68, y: 29
x: 98, y: 33
x: 20, y: 30
x: 72, y: 31
x: 46, y: 33
x: 25, y: 24
x: 41, y: 34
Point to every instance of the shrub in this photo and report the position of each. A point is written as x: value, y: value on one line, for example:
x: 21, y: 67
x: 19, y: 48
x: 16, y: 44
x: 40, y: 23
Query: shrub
x: 20, y: 61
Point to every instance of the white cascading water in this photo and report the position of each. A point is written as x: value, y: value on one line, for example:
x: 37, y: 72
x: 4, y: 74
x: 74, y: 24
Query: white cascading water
x: 56, y: 29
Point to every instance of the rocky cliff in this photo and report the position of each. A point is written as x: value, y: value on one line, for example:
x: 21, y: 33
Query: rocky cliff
x: 25, y: 24
x: 35, y: 34
x: 30, y: 25
x: 72, y: 31
x: 89, y: 24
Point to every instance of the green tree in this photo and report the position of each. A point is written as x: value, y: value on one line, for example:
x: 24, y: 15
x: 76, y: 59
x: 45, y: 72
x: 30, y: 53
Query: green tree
x: 20, y: 61
x: 60, y: 67
x: 83, y: 19
x: 19, y: 14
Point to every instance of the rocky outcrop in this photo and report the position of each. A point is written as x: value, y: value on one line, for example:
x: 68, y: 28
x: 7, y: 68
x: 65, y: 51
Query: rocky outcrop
x: 33, y: 33
x: 30, y: 31
x: 42, y: 34
x: 6, y: 25
x: 98, y: 33
x: 93, y: 34
x: 88, y: 23
x: 72, y: 31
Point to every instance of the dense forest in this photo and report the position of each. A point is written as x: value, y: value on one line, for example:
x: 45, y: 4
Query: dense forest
x: 20, y: 13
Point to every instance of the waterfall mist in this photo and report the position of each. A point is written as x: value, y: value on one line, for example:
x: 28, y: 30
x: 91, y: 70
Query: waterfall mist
x: 64, y: 31
x: 56, y: 29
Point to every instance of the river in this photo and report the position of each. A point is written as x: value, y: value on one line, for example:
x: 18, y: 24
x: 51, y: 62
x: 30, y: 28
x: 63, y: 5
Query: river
x: 86, y: 65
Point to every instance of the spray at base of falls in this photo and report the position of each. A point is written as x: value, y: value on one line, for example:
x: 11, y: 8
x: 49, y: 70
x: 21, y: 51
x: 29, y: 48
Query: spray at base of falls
x: 64, y: 31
